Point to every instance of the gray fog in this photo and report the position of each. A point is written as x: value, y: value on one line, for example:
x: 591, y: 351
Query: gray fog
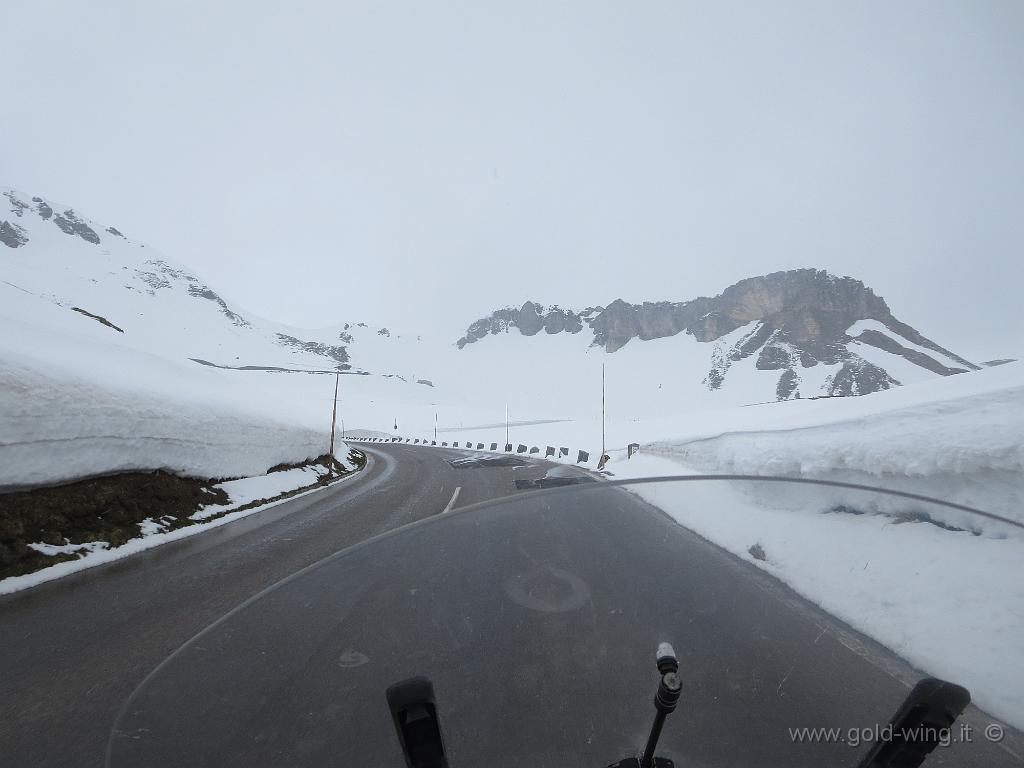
x: 420, y: 164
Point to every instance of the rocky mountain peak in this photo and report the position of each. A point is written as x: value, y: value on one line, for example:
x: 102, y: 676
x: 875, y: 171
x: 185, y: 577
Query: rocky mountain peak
x: 797, y: 318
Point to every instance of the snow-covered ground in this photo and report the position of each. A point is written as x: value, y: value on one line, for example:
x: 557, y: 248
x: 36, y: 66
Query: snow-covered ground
x: 153, y: 533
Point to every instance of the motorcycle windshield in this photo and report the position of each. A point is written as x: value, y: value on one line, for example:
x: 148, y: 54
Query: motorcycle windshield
x: 536, y: 618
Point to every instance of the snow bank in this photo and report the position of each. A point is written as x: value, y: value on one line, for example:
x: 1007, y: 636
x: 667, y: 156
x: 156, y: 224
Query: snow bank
x: 967, y: 447
x: 74, y: 404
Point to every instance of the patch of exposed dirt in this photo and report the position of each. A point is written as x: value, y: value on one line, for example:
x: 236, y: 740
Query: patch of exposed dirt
x: 110, y: 509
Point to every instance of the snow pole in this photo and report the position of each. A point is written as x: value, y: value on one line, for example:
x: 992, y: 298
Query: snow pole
x: 334, y: 410
x: 602, y: 411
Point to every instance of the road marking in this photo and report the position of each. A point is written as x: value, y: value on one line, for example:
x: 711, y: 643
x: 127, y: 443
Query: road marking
x: 452, y: 502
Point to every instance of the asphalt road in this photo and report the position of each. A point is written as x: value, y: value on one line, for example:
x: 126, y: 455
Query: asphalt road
x: 72, y: 650
x: 536, y: 621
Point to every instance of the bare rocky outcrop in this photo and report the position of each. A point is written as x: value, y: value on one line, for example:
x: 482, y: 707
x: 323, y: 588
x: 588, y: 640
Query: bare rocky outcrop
x: 530, y: 319
x: 799, y: 318
x: 12, y: 235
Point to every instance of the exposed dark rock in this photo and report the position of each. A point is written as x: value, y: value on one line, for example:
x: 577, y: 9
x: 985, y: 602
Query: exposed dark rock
x: 344, y: 368
x: 164, y: 275
x: 858, y: 377
x: 880, y: 340
x: 911, y: 334
x: 788, y: 382
x: 557, y: 320
x: 12, y: 235
x: 427, y: 382
x: 113, y: 231
x: 18, y: 206
x: 97, y: 318
x: 1001, y: 361
x: 383, y: 332
x: 201, y: 291
x: 529, y: 319
x: 338, y: 354
x: 773, y: 358
x: 44, y: 210
x: 70, y: 224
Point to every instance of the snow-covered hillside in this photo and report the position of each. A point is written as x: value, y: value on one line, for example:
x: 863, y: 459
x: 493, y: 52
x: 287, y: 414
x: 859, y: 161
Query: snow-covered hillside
x: 161, y: 307
x: 114, y: 357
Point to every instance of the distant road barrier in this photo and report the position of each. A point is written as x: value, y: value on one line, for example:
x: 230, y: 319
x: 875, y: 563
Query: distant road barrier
x: 550, y: 451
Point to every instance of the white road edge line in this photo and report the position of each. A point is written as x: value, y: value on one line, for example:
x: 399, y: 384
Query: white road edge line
x: 452, y: 502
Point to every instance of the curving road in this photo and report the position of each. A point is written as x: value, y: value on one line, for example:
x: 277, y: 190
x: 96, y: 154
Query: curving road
x: 757, y: 658
x: 72, y: 650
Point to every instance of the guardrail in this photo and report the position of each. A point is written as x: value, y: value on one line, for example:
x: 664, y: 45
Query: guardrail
x: 550, y: 451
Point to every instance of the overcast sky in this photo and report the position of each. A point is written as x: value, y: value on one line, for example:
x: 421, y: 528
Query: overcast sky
x: 426, y: 162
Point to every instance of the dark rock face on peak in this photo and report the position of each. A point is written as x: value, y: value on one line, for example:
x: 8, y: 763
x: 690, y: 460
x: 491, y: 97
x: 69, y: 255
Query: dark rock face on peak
x: 799, y: 319
x: 530, y: 319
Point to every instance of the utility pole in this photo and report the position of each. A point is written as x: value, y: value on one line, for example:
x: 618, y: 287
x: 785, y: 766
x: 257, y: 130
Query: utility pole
x: 506, y: 423
x: 435, y: 426
x: 602, y: 410
x: 334, y: 410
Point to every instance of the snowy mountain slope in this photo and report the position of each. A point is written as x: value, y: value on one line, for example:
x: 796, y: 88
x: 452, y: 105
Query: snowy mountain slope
x: 76, y: 403
x: 788, y: 324
x: 159, y: 306
x: 114, y: 358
